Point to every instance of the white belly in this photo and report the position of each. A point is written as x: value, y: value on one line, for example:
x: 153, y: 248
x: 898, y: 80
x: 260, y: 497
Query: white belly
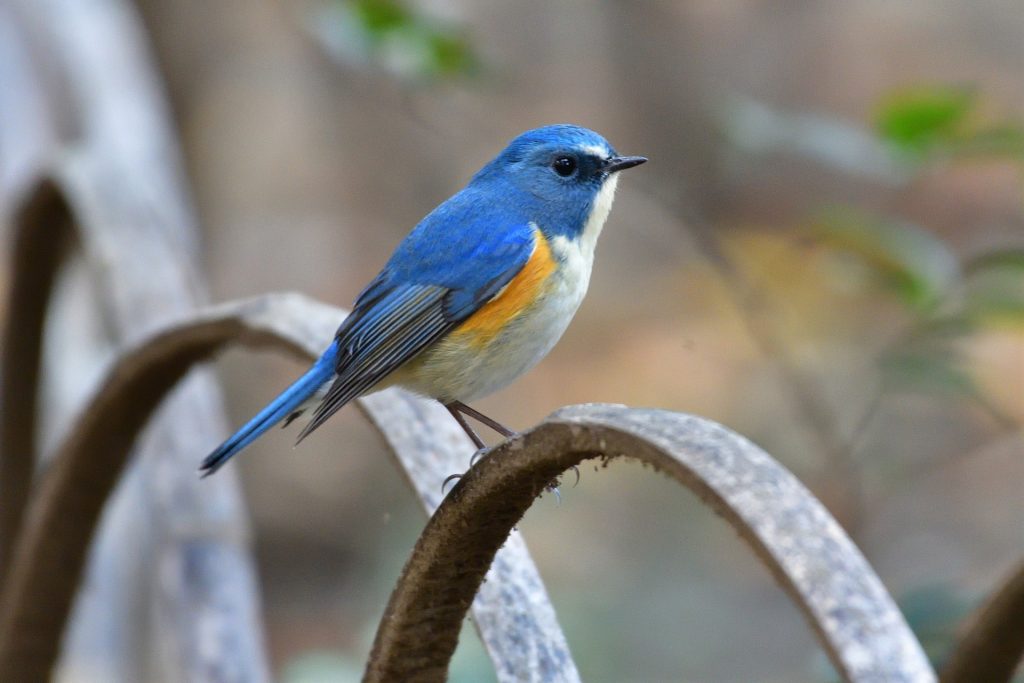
x: 457, y: 369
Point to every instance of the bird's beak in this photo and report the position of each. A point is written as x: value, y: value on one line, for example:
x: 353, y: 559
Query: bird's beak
x: 621, y: 163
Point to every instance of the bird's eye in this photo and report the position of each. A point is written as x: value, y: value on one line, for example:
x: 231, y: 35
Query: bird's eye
x: 564, y: 166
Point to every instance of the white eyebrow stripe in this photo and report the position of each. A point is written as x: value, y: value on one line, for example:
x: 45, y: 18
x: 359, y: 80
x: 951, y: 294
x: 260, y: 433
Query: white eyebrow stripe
x: 596, y: 150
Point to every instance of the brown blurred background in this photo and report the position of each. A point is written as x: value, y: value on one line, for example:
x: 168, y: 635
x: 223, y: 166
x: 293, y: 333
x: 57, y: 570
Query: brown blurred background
x: 797, y: 261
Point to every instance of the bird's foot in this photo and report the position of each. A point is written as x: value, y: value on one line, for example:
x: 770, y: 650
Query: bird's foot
x: 476, y: 456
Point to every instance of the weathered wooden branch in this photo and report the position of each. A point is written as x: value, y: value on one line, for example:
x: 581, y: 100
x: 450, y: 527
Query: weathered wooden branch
x: 810, y: 556
x: 98, y: 141
x: 520, y: 633
x: 41, y: 231
x: 993, y: 646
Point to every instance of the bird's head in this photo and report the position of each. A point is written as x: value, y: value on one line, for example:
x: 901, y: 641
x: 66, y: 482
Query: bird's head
x: 567, y: 175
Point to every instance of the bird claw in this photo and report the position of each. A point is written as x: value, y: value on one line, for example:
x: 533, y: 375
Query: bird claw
x: 476, y: 456
x: 552, y: 488
x: 449, y: 478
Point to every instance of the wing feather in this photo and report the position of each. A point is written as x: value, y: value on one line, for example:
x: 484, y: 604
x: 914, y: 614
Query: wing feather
x: 430, y: 286
x: 411, y: 322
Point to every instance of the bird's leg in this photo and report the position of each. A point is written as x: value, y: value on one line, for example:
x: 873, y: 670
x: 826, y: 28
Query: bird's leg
x: 480, y: 445
x: 479, y: 417
x: 456, y: 408
x: 460, y: 410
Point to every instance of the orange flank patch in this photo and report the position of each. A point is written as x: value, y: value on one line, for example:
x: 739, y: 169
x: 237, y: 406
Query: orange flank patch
x: 521, y: 291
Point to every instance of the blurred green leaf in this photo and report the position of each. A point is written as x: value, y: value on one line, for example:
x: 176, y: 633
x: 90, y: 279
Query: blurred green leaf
x: 994, y: 287
x: 917, y: 120
x: 928, y: 369
x: 916, y: 265
x: 1004, y: 140
x: 451, y: 55
x: 379, y: 17
x: 926, y: 120
x: 999, y: 258
x: 390, y: 35
x: 944, y: 328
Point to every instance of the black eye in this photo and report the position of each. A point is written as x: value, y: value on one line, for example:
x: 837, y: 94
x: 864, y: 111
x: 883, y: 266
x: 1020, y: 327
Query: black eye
x: 564, y: 166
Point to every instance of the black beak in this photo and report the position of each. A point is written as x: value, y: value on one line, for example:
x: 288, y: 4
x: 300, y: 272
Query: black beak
x: 622, y: 163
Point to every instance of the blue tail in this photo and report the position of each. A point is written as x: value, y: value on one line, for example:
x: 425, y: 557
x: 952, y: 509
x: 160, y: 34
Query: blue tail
x: 280, y: 408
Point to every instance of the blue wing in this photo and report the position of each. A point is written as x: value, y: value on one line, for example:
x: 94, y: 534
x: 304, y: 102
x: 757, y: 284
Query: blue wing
x: 449, y: 266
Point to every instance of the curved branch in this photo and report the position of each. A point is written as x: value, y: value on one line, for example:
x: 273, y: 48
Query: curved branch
x: 63, y: 514
x: 811, y: 557
x: 42, y: 230
x: 89, y: 114
x: 993, y: 646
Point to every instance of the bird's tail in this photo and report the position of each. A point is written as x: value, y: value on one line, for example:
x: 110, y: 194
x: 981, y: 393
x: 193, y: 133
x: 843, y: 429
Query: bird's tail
x: 284, y: 406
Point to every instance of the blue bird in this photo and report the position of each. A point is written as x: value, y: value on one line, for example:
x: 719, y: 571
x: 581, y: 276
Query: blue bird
x: 477, y: 294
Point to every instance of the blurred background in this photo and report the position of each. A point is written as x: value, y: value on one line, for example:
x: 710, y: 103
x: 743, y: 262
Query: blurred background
x: 825, y: 253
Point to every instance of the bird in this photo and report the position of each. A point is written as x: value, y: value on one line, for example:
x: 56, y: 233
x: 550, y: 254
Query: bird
x: 474, y: 296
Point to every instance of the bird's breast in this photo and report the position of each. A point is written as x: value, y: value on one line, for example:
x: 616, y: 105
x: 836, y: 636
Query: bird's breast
x: 523, y: 291
x: 510, y: 333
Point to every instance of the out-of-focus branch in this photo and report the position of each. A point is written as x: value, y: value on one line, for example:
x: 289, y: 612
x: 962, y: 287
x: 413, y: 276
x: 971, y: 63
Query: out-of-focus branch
x: 522, y: 635
x: 41, y: 230
x: 993, y: 646
x: 809, y: 554
x: 97, y: 127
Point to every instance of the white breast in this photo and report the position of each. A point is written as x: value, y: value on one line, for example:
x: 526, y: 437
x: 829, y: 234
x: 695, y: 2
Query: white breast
x: 451, y: 370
